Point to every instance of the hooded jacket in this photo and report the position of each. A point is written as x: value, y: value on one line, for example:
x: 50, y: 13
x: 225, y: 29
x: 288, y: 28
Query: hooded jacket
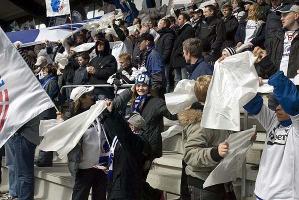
x: 201, y: 145
x: 184, y: 33
x: 165, y: 43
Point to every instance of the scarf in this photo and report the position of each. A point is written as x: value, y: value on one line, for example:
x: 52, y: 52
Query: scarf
x: 139, y: 103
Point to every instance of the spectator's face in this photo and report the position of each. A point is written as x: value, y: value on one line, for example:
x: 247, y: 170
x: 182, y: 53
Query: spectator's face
x: 275, y: 3
x: 187, y: 56
x: 197, y: 16
x: 281, y: 114
x: 124, y: 63
x: 226, y: 12
x: 143, y: 45
x: 101, y: 46
x: 144, y: 29
x: 161, y: 24
x: 79, y: 40
x: 246, y: 6
x: 141, y: 89
x: 251, y: 12
x: 234, y: 4
x: 82, y: 61
x: 207, y: 12
x: 135, y: 21
x: 181, y: 21
x: 289, y: 20
x: 45, y: 71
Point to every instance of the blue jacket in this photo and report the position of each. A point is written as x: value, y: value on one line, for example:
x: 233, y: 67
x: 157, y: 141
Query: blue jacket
x: 154, y: 63
x: 200, y: 68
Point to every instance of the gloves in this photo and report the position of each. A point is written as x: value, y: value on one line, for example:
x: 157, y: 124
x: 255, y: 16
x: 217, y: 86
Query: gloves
x: 285, y: 92
x: 254, y: 106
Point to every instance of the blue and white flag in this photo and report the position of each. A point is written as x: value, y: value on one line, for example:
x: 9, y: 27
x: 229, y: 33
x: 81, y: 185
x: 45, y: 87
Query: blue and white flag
x: 37, y: 36
x: 57, y: 7
x: 21, y: 95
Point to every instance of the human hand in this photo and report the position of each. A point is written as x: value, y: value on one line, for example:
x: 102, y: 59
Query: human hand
x: 59, y: 117
x: 109, y: 105
x: 239, y: 44
x: 259, y: 53
x: 91, y: 70
x: 223, y: 149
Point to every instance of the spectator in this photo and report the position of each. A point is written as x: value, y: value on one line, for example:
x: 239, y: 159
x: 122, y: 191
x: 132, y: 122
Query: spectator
x: 153, y: 63
x: 177, y: 60
x: 226, y: 52
x: 196, y: 19
x: 81, y: 76
x: 103, y: 66
x: 129, y: 153
x: 50, y: 85
x: 193, y: 55
x: 204, y: 149
x: 88, y: 160
x: 273, y: 22
x: 173, y: 24
x: 283, y: 53
x: 211, y: 34
x: 164, y: 46
x: 231, y: 25
x: 280, y: 149
x: 126, y: 73
x: 123, y: 35
x: 251, y: 32
x: 22, y: 148
x: 238, y: 10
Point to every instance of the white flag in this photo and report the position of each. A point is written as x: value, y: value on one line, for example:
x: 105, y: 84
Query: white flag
x: 65, y: 136
x: 234, y: 83
x: 21, y: 95
x: 57, y: 7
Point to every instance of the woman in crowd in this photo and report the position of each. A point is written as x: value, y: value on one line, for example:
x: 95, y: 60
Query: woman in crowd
x: 204, y: 149
x: 50, y: 84
x: 103, y: 66
x: 238, y: 10
x: 251, y: 32
x: 89, y: 159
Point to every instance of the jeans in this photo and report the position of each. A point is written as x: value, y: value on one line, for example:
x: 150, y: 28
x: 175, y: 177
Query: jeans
x: 185, y: 195
x: 202, y: 194
x: 10, y: 157
x: 87, y: 179
x: 23, y: 160
x: 180, y: 73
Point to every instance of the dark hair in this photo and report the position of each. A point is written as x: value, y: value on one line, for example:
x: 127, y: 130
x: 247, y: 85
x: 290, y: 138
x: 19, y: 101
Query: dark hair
x: 52, y: 69
x: 212, y: 8
x: 84, y: 55
x: 227, y: 6
x: 106, y: 50
x: 185, y: 16
x: 167, y: 22
x: 148, y: 37
x: 171, y: 19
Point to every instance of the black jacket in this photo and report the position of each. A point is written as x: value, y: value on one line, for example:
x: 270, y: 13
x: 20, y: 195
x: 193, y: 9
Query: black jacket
x: 130, y: 155
x: 231, y: 25
x: 177, y: 59
x: 153, y: 112
x: 212, y: 36
x: 271, y: 63
x: 165, y: 43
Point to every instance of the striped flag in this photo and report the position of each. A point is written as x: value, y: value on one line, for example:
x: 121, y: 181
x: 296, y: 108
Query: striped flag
x: 21, y: 96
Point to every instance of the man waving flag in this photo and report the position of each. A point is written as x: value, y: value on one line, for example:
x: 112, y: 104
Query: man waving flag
x: 21, y: 96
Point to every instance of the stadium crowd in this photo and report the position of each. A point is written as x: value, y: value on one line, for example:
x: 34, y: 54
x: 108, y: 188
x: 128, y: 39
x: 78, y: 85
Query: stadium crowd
x: 160, y: 52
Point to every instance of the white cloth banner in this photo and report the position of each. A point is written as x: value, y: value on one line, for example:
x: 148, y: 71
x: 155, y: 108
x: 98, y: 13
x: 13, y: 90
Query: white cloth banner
x: 57, y: 7
x: 21, y: 96
x: 65, y: 136
x: 234, y: 83
x: 229, y: 168
x: 182, y: 96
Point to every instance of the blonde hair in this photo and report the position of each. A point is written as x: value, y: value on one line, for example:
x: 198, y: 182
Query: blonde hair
x: 201, y: 87
x: 125, y: 57
x: 255, y: 8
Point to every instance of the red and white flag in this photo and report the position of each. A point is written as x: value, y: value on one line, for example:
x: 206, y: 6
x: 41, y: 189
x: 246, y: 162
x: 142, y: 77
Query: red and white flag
x: 21, y: 96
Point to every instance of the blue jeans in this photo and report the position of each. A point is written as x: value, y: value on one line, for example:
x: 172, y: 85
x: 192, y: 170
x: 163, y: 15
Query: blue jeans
x: 10, y: 157
x: 180, y: 73
x: 24, y: 166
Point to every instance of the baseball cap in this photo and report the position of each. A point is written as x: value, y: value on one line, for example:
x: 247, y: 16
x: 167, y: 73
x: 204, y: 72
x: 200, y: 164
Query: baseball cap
x: 79, y: 91
x: 288, y: 8
x: 142, y: 79
x: 40, y: 60
x: 136, y: 120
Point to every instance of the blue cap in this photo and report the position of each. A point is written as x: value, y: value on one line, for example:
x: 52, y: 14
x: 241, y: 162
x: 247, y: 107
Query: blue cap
x: 142, y: 79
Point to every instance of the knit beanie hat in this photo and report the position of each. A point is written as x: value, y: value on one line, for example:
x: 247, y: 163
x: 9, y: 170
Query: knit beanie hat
x: 230, y: 51
x: 136, y: 120
x: 142, y: 79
